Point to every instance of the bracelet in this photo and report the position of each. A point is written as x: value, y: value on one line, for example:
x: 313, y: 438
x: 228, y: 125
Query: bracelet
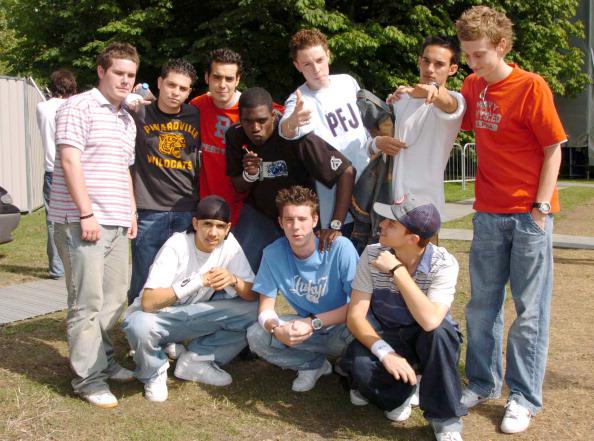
x: 393, y: 270
x: 249, y: 178
x: 87, y: 216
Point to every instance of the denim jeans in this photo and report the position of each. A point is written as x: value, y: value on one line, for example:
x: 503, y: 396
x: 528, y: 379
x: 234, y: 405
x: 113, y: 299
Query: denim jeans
x: 436, y: 355
x: 509, y: 247
x: 311, y: 354
x: 154, y: 228
x: 217, y: 327
x: 96, y: 281
x: 55, y: 267
x: 254, y: 231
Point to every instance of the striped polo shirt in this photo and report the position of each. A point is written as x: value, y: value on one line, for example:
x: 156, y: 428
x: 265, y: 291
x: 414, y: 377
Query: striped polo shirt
x: 436, y: 275
x: 105, y: 135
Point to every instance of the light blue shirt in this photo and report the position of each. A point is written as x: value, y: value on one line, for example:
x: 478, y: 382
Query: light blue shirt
x: 316, y: 284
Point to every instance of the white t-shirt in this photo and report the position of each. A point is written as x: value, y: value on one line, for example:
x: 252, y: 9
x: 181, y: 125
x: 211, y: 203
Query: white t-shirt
x: 46, y: 121
x: 429, y: 134
x: 337, y: 120
x: 178, y: 258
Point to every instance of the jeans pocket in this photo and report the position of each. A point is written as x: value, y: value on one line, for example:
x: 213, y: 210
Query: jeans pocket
x: 533, y: 226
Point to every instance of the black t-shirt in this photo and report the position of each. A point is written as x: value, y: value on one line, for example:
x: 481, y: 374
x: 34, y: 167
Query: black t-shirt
x: 165, y: 169
x: 284, y: 163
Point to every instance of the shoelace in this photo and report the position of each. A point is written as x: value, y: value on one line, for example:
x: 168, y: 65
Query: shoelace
x: 514, y: 410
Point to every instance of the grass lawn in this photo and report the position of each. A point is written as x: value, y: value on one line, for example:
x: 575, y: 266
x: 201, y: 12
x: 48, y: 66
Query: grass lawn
x: 569, y: 198
x: 454, y: 192
x: 37, y: 402
x: 25, y: 259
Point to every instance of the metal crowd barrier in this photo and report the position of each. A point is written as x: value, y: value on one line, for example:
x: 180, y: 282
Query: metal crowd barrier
x: 461, y: 165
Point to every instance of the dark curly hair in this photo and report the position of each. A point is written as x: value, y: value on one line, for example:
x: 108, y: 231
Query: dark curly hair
x: 180, y: 66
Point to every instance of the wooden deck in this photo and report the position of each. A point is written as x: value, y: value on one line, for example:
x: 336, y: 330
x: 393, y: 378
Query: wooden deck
x: 20, y: 302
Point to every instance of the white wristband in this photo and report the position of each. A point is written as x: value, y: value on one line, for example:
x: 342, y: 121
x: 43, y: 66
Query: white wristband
x: 188, y: 285
x: 249, y: 178
x: 381, y: 348
x: 266, y: 315
x: 373, y: 146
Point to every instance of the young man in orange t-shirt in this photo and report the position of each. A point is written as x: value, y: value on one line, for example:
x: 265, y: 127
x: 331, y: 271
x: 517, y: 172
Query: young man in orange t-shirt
x: 218, y: 110
x: 518, y: 136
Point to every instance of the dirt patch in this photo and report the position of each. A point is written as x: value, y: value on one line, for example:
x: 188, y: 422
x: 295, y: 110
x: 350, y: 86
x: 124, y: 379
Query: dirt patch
x: 569, y: 382
x: 37, y: 402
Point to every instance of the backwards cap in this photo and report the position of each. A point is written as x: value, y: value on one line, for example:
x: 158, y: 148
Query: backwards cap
x: 418, y: 216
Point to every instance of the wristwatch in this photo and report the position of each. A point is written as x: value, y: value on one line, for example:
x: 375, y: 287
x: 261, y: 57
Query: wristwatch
x: 543, y: 207
x: 316, y: 323
x: 335, y: 224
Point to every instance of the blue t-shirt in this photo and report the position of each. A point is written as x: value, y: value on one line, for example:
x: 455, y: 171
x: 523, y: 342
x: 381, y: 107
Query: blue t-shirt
x: 316, y: 284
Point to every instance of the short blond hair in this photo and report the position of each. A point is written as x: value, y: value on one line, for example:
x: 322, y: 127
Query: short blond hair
x: 482, y: 21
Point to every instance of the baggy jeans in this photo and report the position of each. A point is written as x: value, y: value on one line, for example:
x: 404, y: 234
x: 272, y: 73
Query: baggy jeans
x: 217, y: 327
x: 311, y: 354
x: 509, y: 247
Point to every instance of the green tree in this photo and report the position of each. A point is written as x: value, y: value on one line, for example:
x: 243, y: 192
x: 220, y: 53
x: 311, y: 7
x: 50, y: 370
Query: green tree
x: 7, y: 42
x: 69, y: 34
x: 377, y: 41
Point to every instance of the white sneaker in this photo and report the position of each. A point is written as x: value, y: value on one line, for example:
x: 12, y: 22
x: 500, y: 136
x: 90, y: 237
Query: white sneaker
x: 306, y: 379
x: 174, y: 350
x: 414, y: 399
x: 471, y: 398
x: 122, y: 375
x: 203, y: 369
x: 448, y: 436
x: 103, y: 399
x: 401, y: 413
x: 357, y: 399
x: 156, y: 389
x: 516, y: 419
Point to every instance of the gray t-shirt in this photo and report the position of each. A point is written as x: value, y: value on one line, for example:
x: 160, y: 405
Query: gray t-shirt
x: 165, y: 172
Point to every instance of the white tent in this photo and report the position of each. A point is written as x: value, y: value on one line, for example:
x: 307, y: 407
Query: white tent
x: 577, y: 113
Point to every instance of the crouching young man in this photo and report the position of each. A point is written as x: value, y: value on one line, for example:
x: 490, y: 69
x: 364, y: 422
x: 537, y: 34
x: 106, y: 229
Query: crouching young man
x: 399, y: 315
x: 199, y: 288
x: 317, y: 284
